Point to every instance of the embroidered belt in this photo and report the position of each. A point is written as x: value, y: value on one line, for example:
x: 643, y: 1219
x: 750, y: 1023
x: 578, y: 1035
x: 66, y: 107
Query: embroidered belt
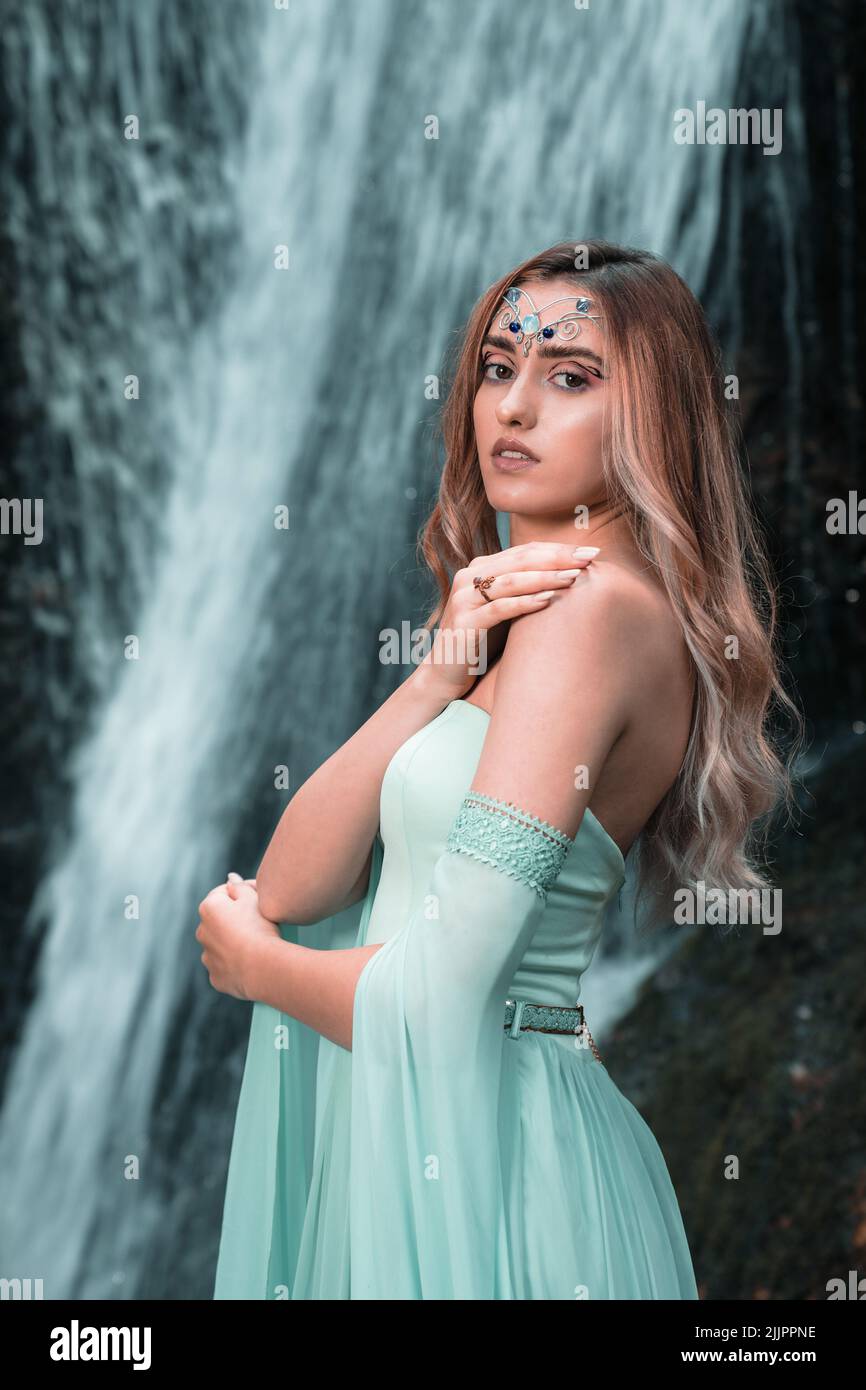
x: 546, y: 1018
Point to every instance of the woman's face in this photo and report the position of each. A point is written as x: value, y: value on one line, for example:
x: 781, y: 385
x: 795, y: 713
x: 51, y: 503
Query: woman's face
x: 550, y: 402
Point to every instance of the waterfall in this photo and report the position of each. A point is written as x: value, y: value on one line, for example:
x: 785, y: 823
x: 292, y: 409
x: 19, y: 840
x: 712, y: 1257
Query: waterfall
x: 263, y: 387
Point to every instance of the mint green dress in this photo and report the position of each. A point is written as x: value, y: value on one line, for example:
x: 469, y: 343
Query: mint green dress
x: 442, y: 1157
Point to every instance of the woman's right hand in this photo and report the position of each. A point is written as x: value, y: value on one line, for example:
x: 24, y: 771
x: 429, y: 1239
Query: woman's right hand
x: 525, y: 578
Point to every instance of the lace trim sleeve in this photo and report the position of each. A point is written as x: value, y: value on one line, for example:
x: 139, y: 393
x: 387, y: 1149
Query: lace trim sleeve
x: 510, y: 839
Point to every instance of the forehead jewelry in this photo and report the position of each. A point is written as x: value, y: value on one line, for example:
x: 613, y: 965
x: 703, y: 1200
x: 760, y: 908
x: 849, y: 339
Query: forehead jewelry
x: 527, y: 327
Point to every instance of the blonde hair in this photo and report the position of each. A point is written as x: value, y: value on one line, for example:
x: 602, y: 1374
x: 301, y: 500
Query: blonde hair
x: 670, y: 455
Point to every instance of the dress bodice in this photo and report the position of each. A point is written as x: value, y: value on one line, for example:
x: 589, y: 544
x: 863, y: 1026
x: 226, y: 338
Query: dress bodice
x: 422, y: 790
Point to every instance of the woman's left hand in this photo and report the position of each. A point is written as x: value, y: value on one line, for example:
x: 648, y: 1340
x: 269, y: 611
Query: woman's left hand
x: 230, y: 930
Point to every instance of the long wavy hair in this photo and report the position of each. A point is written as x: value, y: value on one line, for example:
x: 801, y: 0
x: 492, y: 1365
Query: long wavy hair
x: 670, y: 455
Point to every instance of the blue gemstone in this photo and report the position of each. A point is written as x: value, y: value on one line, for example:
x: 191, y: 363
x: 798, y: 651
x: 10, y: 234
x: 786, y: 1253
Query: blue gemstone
x: 582, y: 306
x: 513, y: 296
x: 547, y: 332
x: 514, y: 327
x: 530, y: 323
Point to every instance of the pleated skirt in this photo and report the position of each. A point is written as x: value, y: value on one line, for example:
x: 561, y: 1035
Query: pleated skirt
x: 588, y: 1209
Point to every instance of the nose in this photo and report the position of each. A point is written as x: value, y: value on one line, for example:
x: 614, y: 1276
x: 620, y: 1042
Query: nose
x: 516, y: 406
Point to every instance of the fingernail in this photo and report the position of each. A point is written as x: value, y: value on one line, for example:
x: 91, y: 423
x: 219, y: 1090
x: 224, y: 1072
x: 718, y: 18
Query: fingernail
x: 583, y: 550
x: 568, y: 574
x: 234, y: 878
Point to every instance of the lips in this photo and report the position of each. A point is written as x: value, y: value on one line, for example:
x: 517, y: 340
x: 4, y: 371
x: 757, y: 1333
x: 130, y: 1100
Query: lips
x: 507, y: 442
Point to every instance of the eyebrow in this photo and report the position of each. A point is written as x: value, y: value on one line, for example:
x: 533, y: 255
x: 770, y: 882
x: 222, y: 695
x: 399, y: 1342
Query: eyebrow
x: 507, y: 344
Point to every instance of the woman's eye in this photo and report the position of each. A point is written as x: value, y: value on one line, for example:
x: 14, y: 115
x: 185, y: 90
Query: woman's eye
x: 488, y: 364
x: 575, y: 376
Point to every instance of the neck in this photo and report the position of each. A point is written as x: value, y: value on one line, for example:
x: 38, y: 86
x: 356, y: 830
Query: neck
x: 605, y: 526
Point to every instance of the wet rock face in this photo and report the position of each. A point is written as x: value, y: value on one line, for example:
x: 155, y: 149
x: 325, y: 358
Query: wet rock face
x: 747, y: 1055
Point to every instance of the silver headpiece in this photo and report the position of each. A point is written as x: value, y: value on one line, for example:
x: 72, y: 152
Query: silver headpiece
x: 527, y: 328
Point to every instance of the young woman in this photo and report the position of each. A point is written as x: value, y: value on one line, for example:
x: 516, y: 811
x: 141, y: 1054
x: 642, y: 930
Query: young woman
x: 425, y: 1114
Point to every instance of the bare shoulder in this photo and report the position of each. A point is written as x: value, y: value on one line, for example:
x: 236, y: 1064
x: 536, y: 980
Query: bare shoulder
x: 611, y: 608
x: 571, y: 682
x: 611, y: 641
x: 633, y: 600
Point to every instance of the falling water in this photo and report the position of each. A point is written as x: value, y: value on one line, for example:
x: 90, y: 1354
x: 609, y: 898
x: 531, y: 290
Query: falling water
x: 263, y: 387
